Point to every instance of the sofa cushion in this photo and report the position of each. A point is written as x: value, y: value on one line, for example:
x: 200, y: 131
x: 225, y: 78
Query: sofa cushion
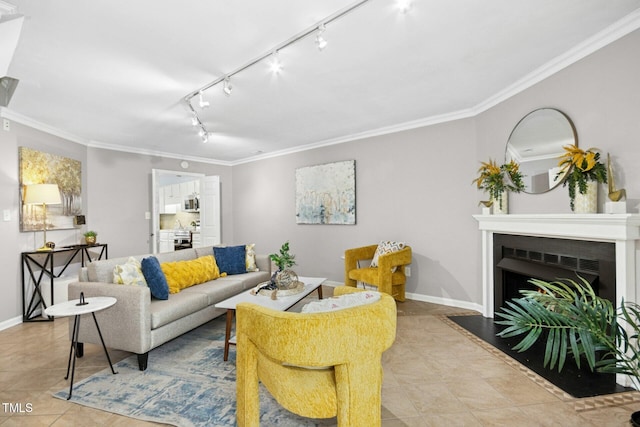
x: 217, y: 290
x: 231, y: 259
x: 182, y: 274
x: 129, y: 273
x: 155, y: 278
x: 176, y: 307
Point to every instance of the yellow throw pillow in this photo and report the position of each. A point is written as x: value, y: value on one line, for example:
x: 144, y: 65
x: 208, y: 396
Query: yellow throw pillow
x: 182, y: 274
x: 129, y: 273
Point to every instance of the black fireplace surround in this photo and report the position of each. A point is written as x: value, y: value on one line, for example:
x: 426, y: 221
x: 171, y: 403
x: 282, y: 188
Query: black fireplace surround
x: 520, y: 258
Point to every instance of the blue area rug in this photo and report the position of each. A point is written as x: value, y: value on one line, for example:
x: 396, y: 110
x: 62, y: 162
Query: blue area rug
x: 186, y: 384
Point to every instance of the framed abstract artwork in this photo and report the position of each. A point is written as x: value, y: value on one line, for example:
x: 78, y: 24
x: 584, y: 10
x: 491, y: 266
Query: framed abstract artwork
x: 326, y: 194
x: 37, y: 167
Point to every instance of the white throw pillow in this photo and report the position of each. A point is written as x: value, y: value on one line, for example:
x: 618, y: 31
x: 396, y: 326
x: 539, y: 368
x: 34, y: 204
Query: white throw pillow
x: 129, y: 273
x: 386, y: 247
x: 340, y: 303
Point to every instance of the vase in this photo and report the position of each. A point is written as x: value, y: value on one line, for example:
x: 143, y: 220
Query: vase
x: 91, y: 240
x: 588, y: 202
x: 501, y: 208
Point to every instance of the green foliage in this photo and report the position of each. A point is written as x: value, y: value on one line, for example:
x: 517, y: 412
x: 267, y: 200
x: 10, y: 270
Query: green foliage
x: 283, y: 259
x: 577, y: 323
x: 90, y: 234
x: 498, y: 179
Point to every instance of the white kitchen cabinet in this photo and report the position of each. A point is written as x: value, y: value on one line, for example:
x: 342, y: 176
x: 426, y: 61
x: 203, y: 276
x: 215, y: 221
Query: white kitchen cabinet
x: 166, y: 243
x: 196, y: 241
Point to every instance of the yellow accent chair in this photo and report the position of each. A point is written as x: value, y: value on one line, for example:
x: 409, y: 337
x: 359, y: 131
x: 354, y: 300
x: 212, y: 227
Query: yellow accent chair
x: 388, y: 276
x: 317, y: 365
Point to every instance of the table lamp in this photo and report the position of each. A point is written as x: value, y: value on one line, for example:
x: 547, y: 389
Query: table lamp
x: 44, y: 194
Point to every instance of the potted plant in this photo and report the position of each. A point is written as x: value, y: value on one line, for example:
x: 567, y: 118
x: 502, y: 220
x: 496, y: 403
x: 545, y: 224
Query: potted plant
x: 577, y: 322
x: 283, y: 277
x: 283, y: 259
x: 90, y: 237
x: 580, y: 167
x: 497, y: 180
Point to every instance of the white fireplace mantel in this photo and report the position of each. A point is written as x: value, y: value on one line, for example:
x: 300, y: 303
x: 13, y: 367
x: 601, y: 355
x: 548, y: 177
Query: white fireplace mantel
x: 622, y: 229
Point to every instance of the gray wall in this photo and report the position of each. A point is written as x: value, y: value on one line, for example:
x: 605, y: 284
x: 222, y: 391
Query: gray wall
x: 407, y: 189
x: 413, y: 186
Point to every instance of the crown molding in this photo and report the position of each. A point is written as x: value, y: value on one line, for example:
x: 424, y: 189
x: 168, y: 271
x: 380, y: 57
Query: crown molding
x: 133, y: 150
x: 621, y: 28
x: 414, y: 124
x: 34, y: 124
x: 616, y: 31
x: 7, y: 8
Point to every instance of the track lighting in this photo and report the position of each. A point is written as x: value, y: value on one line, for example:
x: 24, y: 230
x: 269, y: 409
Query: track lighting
x: 275, y: 66
x: 320, y: 41
x: 227, y: 89
x: 203, y: 103
x: 273, y: 60
x: 404, y: 5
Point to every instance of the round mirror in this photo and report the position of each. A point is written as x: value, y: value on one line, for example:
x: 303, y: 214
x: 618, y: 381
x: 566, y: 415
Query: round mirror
x: 536, y: 145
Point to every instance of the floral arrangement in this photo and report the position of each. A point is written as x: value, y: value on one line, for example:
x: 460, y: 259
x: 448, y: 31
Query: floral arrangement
x: 498, y: 179
x: 90, y: 234
x: 580, y: 167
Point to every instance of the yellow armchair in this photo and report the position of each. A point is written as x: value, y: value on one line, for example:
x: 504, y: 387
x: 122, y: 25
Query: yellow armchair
x: 383, y: 276
x: 317, y: 365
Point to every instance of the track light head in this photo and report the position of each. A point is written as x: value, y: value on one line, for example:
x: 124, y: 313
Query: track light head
x: 195, y: 121
x: 227, y: 89
x: 404, y: 5
x: 320, y: 41
x: 203, y: 103
x: 275, y: 66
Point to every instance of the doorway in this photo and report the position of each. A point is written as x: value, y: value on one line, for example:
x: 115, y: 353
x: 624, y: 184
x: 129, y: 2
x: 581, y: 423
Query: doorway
x: 166, y: 179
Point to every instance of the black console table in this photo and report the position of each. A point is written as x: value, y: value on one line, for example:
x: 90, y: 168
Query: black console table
x: 40, y: 264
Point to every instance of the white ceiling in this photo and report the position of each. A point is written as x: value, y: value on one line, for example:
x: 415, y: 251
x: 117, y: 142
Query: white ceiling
x: 115, y: 73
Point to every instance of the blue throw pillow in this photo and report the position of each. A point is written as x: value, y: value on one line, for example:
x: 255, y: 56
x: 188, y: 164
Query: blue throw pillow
x: 231, y: 259
x: 155, y: 278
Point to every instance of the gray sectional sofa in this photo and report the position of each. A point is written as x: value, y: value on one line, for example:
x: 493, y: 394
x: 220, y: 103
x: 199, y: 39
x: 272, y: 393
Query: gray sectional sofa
x: 139, y: 323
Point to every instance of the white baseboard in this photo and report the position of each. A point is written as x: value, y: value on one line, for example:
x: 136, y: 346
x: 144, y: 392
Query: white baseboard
x: 10, y: 322
x: 446, y: 301
x: 424, y: 298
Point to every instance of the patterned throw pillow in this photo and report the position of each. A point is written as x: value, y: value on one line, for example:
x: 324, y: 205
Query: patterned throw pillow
x: 251, y: 258
x: 343, y: 301
x: 386, y: 247
x: 129, y: 273
x: 182, y: 274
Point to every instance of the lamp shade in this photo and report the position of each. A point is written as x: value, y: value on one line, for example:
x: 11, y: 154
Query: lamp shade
x: 48, y: 194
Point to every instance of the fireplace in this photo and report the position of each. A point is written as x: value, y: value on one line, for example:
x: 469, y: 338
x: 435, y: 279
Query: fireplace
x: 519, y: 258
x: 616, y: 276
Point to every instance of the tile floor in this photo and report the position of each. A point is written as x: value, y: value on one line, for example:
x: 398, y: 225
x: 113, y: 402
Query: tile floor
x: 435, y: 375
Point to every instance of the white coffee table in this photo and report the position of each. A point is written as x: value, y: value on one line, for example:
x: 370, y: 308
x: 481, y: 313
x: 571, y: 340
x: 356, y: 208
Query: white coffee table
x: 282, y: 303
x: 77, y: 308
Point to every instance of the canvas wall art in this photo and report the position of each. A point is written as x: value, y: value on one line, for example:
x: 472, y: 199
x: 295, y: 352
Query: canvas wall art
x: 326, y: 194
x: 37, y: 167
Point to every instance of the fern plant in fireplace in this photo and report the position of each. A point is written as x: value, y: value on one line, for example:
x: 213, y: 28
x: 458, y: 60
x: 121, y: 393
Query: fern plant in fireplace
x: 578, y: 323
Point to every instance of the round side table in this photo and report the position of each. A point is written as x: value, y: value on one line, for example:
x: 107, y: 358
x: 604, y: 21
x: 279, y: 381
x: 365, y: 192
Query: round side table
x: 77, y: 308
